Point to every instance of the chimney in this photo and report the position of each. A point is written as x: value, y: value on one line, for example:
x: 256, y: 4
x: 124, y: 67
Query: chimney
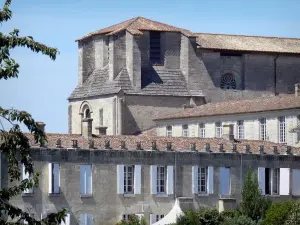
x: 228, y: 132
x: 87, y: 127
x: 297, y: 90
x: 41, y: 126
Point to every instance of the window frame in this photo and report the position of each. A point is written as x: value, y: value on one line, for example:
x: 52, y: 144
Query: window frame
x: 263, y: 129
x: 169, y: 131
x: 201, y: 130
x: 155, y: 56
x: 282, y: 129
x: 200, y: 178
x: 53, y: 178
x: 185, y: 130
x: 85, y: 180
x: 126, y: 176
x: 218, y: 129
x: 240, y: 129
x: 161, y: 177
x: 224, y: 84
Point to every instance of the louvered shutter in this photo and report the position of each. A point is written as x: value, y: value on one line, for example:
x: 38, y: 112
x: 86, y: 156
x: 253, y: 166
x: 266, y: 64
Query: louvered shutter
x: 170, y: 180
x: 261, y: 179
x: 50, y: 178
x: 56, y: 178
x: 120, y: 179
x: 82, y: 179
x: 153, y: 170
x: 89, y: 219
x: 284, y: 188
x: 195, y: 179
x: 88, y: 172
x: 210, y: 183
x: 137, y: 179
x: 296, y: 182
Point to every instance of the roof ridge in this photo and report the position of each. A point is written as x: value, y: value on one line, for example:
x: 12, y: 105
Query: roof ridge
x: 245, y: 35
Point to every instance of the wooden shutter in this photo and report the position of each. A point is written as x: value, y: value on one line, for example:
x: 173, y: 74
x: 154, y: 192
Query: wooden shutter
x: 224, y: 181
x: 50, y: 178
x: 210, y: 182
x: 195, y: 179
x: 82, y: 219
x: 82, y: 180
x: 261, y: 179
x: 137, y: 179
x: 56, y: 178
x: 152, y: 218
x: 284, y: 178
x: 170, y: 180
x: 153, y: 170
x: 120, y: 179
x: 89, y: 219
x: 88, y: 172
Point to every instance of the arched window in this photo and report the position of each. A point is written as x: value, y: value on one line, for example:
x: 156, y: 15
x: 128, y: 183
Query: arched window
x: 228, y: 81
x: 87, y: 113
x: 169, y: 131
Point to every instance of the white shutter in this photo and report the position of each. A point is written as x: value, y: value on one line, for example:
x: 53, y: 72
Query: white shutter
x: 89, y: 219
x: 152, y: 218
x: 284, y: 178
x: 210, y: 183
x: 82, y: 219
x: 67, y: 220
x: 137, y: 179
x: 56, y: 177
x: 261, y: 179
x: 296, y: 182
x: 82, y: 179
x: 88, y: 172
x: 195, y: 179
x: 50, y: 178
x: 224, y: 181
x: 120, y: 179
x: 153, y: 170
x: 26, y: 176
x: 140, y: 216
x: 170, y: 180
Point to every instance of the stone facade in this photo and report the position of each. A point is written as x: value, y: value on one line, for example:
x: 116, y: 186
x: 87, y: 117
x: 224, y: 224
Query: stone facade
x: 251, y: 129
x: 107, y: 206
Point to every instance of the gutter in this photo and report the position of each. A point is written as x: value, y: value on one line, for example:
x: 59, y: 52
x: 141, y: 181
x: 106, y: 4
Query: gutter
x: 275, y: 74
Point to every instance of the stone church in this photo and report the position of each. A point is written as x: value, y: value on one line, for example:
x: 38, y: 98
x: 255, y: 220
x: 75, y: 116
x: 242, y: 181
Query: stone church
x: 139, y: 69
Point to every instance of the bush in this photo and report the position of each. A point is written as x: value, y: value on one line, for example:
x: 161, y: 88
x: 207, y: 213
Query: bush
x: 278, y: 213
x: 230, y: 213
x: 133, y: 220
x: 203, y: 216
x: 294, y: 215
x: 238, y: 220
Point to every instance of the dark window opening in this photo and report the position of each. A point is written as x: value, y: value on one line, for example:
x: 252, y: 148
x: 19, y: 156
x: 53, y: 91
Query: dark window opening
x: 228, y: 81
x: 155, y: 48
x: 267, y: 181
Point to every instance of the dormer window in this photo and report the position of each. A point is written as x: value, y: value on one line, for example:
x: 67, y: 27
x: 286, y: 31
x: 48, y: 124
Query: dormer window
x: 155, y: 48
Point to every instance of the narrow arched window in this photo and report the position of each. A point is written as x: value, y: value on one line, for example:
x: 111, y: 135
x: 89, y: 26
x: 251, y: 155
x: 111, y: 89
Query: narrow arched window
x: 87, y: 113
x: 228, y: 81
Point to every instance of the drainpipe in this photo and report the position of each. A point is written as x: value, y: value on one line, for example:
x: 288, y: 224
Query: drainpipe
x: 275, y: 74
x: 175, y: 175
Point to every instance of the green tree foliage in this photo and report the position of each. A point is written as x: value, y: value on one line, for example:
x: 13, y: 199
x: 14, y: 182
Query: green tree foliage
x: 133, y: 220
x: 203, y: 216
x: 238, y: 220
x: 254, y: 205
x: 294, y: 215
x: 278, y: 213
x: 14, y: 145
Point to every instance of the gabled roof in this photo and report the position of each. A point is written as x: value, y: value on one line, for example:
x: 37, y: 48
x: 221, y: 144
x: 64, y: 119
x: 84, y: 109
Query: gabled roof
x: 136, y: 26
x: 264, y: 104
x: 248, y: 43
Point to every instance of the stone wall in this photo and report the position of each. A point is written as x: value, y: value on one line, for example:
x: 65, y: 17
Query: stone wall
x: 107, y: 206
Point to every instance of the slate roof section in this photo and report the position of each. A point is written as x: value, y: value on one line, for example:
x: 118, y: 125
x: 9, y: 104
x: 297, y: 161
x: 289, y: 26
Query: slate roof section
x: 248, y: 43
x: 136, y: 26
x: 264, y: 104
x: 178, y: 143
x: 166, y: 82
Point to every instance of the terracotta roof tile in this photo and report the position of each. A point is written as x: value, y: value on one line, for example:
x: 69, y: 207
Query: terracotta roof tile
x: 178, y: 143
x: 248, y: 43
x: 136, y: 26
x: 263, y: 104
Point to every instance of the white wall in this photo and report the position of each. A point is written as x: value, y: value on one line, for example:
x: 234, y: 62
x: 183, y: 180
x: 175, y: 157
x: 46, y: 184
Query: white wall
x: 251, y: 125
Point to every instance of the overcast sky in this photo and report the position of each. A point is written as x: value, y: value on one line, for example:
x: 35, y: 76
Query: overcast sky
x: 44, y: 85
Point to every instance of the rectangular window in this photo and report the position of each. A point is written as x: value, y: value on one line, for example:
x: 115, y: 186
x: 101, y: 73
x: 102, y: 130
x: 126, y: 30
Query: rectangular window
x: 161, y: 180
x: 155, y: 48
x: 54, y: 183
x: 159, y: 217
x: 202, y: 130
x: 101, y: 117
x: 169, y: 131
x: 224, y: 181
x: 155, y: 218
x: 185, y: 130
x: 86, y: 219
x: 271, y: 181
x: 219, y: 129
x: 240, y: 129
x: 25, y: 175
x: 263, y: 129
x: 127, y: 217
x: 128, y: 179
x: 282, y: 129
x: 85, y: 179
x: 202, y: 180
